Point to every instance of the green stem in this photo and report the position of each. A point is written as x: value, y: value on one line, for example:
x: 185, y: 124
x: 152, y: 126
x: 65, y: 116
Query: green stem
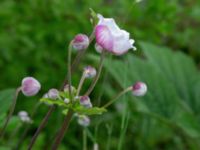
x: 80, y: 84
x: 70, y: 71
x: 84, y: 139
x: 97, y: 76
x: 69, y: 115
x: 116, y: 97
x: 12, y: 109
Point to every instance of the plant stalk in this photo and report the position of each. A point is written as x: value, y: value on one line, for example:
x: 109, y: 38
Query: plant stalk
x: 116, y: 97
x: 11, y: 111
x: 94, y: 82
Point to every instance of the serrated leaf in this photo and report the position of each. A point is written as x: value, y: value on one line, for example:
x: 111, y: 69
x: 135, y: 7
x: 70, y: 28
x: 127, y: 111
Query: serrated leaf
x: 89, y: 111
x: 53, y: 102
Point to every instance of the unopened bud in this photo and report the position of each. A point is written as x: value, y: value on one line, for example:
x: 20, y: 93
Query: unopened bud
x: 139, y: 89
x: 83, y: 120
x: 53, y: 94
x: 30, y: 86
x: 85, y: 101
x: 81, y: 42
x: 23, y: 115
x: 90, y: 72
x: 66, y: 88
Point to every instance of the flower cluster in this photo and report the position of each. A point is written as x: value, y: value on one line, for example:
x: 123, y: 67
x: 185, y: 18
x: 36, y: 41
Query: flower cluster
x: 110, y: 39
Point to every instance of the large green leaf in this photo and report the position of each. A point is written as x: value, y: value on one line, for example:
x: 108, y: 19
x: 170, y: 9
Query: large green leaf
x: 164, y: 100
x: 179, y: 69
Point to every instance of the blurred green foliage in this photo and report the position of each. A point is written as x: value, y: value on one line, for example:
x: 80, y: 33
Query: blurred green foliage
x: 33, y: 42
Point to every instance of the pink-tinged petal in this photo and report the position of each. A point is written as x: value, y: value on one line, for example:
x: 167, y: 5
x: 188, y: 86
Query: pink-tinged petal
x: 104, y: 37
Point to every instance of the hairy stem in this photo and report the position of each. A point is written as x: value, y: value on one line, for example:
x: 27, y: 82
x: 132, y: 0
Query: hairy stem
x: 12, y: 109
x: 62, y: 131
x: 68, y: 117
x: 97, y: 76
x: 42, y: 125
x: 116, y: 97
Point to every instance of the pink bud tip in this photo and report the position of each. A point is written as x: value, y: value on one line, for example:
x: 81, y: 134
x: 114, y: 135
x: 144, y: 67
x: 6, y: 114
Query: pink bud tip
x: 85, y: 101
x: 90, y: 72
x: 30, y: 86
x: 139, y: 89
x: 81, y: 42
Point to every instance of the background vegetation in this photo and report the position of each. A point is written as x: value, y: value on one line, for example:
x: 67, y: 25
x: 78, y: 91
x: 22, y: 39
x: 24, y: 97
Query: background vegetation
x: 33, y: 42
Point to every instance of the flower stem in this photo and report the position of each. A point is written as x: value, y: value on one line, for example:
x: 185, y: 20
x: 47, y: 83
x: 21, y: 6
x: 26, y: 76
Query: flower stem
x: 68, y: 117
x: 69, y: 71
x: 21, y: 139
x: 62, y: 131
x: 80, y: 84
x: 42, y: 125
x: 84, y: 139
x: 97, y: 76
x: 78, y: 58
x: 12, y: 109
x: 116, y: 97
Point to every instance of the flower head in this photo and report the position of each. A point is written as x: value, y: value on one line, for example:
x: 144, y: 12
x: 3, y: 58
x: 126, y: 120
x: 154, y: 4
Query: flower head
x: 139, y: 89
x: 66, y: 88
x: 111, y: 38
x: 83, y: 120
x: 90, y: 72
x: 81, y: 42
x: 85, y: 101
x: 30, y: 86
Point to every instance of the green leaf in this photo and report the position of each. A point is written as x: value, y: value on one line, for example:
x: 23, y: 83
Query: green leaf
x: 6, y: 98
x: 89, y: 111
x: 170, y: 95
x: 53, y: 102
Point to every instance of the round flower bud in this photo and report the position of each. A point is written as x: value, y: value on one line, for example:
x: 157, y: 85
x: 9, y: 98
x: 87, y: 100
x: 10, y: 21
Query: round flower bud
x: 81, y: 42
x: 23, y: 115
x: 83, y: 120
x: 90, y: 72
x: 85, y: 101
x: 30, y: 86
x: 66, y: 88
x: 53, y: 94
x: 139, y: 89
x: 98, y: 48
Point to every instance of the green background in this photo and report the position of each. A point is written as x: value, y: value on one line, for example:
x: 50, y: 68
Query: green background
x: 34, y: 35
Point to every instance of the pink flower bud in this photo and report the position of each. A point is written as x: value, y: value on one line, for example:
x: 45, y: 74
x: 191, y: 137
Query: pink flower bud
x: 53, y: 94
x: 66, y: 88
x: 83, y: 120
x: 139, y: 89
x: 85, y: 101
x: 81, y: 42
x: 30, y: 86
x: 90, y: 72
x: 98, y: 48
x: 24, y: 117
